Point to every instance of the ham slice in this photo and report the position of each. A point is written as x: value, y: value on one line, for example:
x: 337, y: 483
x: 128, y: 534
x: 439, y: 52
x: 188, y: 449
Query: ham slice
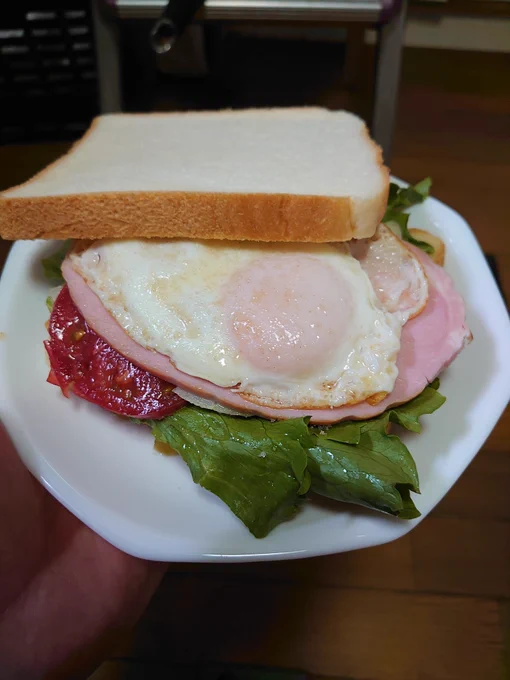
x: 429, y: 343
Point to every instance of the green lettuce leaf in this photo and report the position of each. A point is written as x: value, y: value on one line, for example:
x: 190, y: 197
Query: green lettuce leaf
x: 49, y: 303
x: 52, y: 265
x: 347, y: 432
x: 408, y: 415
x: 257, y: 467
x: 360, y: 462
x: 378, y: 424
x: 263, y: 469
x: 401, y: 220
x: 401, y: 198
x: 378, y: 472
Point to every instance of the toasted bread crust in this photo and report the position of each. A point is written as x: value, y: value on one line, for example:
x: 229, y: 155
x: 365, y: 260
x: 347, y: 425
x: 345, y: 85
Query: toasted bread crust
x: 191, y: 215
x: 260, y: 217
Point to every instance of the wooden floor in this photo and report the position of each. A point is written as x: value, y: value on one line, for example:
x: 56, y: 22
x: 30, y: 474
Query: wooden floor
x: 434, y: 605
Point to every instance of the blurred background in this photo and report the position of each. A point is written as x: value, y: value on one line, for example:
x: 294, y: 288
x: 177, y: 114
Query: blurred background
x: 432, y: 79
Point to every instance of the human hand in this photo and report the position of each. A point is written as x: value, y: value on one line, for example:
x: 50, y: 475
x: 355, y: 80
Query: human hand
x: 64, y: 591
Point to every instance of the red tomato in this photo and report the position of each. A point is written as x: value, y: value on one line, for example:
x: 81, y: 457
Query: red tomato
x: 83, y: 362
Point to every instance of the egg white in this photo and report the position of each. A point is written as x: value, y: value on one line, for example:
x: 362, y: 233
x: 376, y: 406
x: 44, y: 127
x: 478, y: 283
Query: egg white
x: 397, y: 276
x: 186, y: 299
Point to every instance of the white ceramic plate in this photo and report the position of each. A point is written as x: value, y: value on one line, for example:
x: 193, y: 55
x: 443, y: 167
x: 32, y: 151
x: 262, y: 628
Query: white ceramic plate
x: 107, y: 473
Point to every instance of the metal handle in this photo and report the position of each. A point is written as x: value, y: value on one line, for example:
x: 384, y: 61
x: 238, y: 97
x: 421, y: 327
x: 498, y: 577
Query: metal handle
x: 170, y: 25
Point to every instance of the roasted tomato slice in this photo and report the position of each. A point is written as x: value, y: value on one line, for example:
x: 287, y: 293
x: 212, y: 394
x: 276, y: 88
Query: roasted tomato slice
x: 83, y: 362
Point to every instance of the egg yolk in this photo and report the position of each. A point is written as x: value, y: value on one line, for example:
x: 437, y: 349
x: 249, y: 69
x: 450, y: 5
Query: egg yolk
x: 287, y: 315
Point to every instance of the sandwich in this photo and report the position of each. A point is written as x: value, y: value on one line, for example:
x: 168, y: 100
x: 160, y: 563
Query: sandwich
x: 246, y: 285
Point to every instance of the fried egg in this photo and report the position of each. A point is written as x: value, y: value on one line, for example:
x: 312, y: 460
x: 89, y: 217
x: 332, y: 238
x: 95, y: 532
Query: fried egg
x: 286, y: 326
x: 397, y: 276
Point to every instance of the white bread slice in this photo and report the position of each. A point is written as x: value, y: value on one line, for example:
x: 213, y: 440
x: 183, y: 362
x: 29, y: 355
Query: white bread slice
x: 261, y: 174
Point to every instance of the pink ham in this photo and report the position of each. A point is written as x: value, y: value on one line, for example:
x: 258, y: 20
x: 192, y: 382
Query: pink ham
x: 429, y: 342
